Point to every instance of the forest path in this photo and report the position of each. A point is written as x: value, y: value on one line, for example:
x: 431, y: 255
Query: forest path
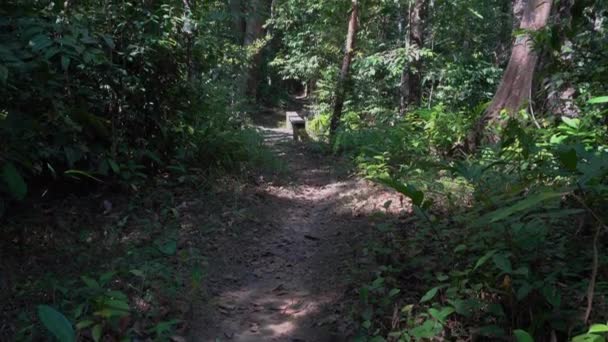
x: 287, y: 277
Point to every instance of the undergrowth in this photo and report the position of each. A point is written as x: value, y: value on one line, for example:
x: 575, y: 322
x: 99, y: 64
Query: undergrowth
x: 507, y: 242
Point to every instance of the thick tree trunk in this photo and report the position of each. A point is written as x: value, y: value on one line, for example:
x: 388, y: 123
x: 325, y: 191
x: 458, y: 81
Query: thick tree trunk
x: 515, y: 89
x: 343, y: 78
x: 238, y: 20
x: 256, y: 15
x: 411, y: 88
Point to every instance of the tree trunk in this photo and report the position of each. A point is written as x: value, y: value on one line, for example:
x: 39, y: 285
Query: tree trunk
x: 515, y: 89
x: 256, y: 16
x: 238, y: 21
x: 343, y: 78
x: 411, y: 88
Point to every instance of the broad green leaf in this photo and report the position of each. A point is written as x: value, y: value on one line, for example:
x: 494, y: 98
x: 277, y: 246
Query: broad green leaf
x: 393, y: 292
x: 573, y: 123
x: 442, y: 314
x: 13, y: 180
x: 598, y: 328
x: 484, y: 258
x: 431, y: 293
x: 114, y: 166
x: 569, y: 159
x: 523, y: 291
x: 428, y: 329
x: 408, y: 190
x: 168, y: 248
x: 521, y: 205
x: 56, y: 323
x: 502, y: 262
x: 117, y: 304
x: 40, y: 42
x: 522, y: 336
x: 588, y: 338
x: 601, y: 99
x: 491, y: 331
x: 84, y: 324
x: 90, y: 283
x: 96, y: 332
x: 552, y: 296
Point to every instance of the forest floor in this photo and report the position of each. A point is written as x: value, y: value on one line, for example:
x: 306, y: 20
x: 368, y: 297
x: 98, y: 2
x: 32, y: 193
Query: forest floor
x: 274, y: 255
x: 294, y: 279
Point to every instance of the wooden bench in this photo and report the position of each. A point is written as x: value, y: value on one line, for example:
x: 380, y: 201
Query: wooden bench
x: 296, y: 123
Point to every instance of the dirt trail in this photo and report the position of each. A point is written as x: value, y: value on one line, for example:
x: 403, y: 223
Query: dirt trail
x: 287, y: 280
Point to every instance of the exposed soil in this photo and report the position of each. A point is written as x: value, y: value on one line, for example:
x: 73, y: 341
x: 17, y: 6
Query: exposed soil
x: 288, y: 275
x: 283, y: 252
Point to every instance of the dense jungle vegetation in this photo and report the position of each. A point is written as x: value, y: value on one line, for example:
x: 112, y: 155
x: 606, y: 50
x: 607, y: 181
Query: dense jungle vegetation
x: 488, y: 116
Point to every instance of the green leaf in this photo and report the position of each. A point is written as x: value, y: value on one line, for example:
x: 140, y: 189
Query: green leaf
x: 596, y: 100
x: 408, y: 190
x: 40, y: 42
x: 491, y: 331
x: 90, y: 283
x: 65, y: 63
x: 598, y: 328
x: 484, y: 258
x: 568, y: 158
x: 431, y: 293
x: 56, y: 323
x: 84, y: 324
x: 15, y: 183
x: 442, y: 314
x: 96, y: 332
x: 3, y: 73
x: 168, y: 248
x: 522, y: 336
x: 573, y: 123
x: 523, y: 291
x: 114, y: 166
x: 502, y: 262
x: 521, y: 205
x: 552, y: 296
x: 588, y: 338
x: 428, y: 329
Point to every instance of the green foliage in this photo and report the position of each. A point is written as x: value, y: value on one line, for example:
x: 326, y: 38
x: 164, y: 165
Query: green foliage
x: 115, y: 94
x: 500, y: 254
x: 56, y: 323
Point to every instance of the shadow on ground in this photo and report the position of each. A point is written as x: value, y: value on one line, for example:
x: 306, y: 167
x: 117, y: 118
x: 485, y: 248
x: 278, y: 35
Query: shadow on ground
x: 286, y: 274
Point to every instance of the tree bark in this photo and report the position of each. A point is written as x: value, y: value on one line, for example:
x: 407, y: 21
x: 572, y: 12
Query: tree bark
x: 515, y: 88
x: 343, y: 78
x: 410, y: 88
x: 257, y: 13
x: 238, y: 21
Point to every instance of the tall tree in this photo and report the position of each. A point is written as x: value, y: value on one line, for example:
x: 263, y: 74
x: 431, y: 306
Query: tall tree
x: 257, y: 13
x: 515, y: 88
x: 343, y: 78
x: 238, y: 22
x: 410, y: 87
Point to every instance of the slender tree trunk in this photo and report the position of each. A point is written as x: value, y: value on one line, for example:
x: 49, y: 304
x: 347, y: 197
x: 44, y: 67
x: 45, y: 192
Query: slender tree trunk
x: 343, y: 78
x: 515, y: 89
x: 411, y: 80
